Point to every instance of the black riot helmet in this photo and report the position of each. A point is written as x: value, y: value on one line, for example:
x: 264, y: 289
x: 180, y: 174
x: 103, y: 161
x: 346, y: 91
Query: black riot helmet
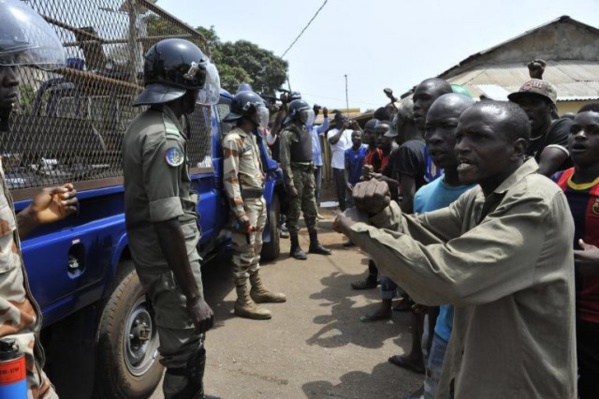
x: 248, y: 104
x: 174, y: 66
x: 300, y: 111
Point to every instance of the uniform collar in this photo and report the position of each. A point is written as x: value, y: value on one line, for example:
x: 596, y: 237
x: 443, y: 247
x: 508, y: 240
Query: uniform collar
x: 240, y: 131
x: 527, y: 168
x: 168, y: 112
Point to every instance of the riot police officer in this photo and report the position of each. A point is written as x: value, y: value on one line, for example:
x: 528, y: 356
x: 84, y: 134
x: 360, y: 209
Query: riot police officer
x: 243, y: 178
x: 296, y: 162
x: 160, y: 210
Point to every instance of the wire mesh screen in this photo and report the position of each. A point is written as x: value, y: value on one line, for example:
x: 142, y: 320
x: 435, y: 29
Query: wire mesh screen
x: 68, y: 124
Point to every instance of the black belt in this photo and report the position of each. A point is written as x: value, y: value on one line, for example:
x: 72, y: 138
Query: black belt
x: 304, y: 166
x: 252, y: 193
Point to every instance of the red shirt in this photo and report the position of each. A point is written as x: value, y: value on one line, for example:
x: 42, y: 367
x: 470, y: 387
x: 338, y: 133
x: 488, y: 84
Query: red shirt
x: 374, y: 158
x: 584, y: 205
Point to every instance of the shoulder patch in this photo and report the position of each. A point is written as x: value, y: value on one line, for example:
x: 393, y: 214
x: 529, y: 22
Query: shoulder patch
x: 174, y: 156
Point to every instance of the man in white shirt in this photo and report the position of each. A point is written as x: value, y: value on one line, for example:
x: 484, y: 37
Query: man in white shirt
x: 317, y: 131
x: 339, y: 139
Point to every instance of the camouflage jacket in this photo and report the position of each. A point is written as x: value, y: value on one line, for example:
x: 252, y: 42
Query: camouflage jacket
x: 242, y: 167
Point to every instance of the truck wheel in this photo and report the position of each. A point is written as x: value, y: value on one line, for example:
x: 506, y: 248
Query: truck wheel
x: 127, y: 365
x: 272, y: 249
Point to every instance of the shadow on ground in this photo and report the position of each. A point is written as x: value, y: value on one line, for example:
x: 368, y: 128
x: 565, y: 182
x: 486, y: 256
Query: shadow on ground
x: 359, y: 385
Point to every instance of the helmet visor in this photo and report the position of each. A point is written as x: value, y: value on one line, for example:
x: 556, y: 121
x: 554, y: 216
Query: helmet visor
x: 262, y: 117
x: 26, y: 39
x: 210, y: 93
x: 307, y: 116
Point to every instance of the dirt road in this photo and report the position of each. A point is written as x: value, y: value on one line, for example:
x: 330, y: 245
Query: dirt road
x: 315, y: 345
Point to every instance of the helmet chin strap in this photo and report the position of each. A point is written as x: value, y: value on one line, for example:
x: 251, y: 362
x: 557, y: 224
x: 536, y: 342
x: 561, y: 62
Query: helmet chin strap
x: 187, y: 125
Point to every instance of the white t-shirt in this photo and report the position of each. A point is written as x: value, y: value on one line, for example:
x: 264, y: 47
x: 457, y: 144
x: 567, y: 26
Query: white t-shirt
x: 338, y: 149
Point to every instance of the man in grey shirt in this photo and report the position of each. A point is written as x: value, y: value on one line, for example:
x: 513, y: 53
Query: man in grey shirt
x: 501, y: 254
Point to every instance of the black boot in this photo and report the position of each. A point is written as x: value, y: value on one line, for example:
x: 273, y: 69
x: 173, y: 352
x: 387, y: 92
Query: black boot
x: 296, y: 251
x: 187, y: 382
x: 315, y: 247
x: 370, y: 281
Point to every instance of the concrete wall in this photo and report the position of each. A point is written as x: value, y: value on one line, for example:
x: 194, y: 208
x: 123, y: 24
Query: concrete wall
x: 572, y: 106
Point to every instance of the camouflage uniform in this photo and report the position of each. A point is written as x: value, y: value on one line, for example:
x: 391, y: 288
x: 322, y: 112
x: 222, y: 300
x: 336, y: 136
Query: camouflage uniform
x: 20, y: 315
x: 299, y: 174
x: 244, y: 185
x: 157, y: 188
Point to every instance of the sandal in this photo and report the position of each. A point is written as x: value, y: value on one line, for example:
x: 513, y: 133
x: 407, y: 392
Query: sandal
x: 406, y: 363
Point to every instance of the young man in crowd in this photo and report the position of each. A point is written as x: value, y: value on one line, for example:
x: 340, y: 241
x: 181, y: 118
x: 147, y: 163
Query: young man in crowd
x: 501, y: 254
x: 339, y: 139
x: 374, y: 155
x: 402, y: 126
x: 317, y: 131
x: 440, y: 135
x: 581, y: 186
x: 549, y: 136
x: 373, y: 163
x: 424, y: 95
x: 354, y: 161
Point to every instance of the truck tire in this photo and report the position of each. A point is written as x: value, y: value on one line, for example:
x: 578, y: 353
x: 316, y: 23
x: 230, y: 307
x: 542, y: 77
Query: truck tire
x: 272, y: 249
x: 127, y: 365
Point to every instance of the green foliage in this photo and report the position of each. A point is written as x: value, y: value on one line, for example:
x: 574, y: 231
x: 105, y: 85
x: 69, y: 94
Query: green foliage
x: 27, y: 97
x: 245, y: 62
x: 238, y: 62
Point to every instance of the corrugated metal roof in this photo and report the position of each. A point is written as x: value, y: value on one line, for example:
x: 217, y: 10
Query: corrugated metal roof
x: 574, y: 79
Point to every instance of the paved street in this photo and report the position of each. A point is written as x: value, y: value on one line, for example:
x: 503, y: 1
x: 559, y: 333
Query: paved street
x: 315, y: 345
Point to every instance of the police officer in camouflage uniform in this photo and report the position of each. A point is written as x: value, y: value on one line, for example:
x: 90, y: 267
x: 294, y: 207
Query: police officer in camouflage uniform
x: 296, y: 162
x: 243, y: 178
x: 25, y: 40
x: 160, y: 210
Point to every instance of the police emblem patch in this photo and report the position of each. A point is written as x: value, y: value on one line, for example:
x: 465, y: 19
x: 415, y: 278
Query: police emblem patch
x: 174, y: 156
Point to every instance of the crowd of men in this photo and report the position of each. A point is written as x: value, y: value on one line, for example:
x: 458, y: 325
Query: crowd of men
x: 485, y: 215
x: 482, y: 219
x: 500, y: 260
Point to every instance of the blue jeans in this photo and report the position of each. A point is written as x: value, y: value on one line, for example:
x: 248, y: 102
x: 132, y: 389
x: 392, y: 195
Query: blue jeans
x: 340, y: 187
x: 388, y: 288
x: 434, y: 367
x: 317, y: 183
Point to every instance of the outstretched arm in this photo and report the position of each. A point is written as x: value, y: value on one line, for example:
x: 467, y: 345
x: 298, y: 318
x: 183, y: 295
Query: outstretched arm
x: 51, y: 204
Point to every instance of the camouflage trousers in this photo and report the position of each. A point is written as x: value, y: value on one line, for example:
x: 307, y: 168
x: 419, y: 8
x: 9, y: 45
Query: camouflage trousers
x: 178, y: 339
x: 19, y: 321
x: 247, y: 247
x: 303, y: 180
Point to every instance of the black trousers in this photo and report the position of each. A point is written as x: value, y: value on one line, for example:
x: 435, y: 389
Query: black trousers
x: 587, y: 336
x: 340, y: 187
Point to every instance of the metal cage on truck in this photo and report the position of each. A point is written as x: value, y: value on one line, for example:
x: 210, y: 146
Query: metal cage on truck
x: 68, y: 123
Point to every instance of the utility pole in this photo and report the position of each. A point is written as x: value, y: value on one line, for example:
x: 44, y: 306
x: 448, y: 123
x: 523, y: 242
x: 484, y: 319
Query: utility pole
x: 346, y: 97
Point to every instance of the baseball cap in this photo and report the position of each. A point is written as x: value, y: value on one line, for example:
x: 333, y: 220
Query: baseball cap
x: 535, y: 87
x: 387, y: 128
